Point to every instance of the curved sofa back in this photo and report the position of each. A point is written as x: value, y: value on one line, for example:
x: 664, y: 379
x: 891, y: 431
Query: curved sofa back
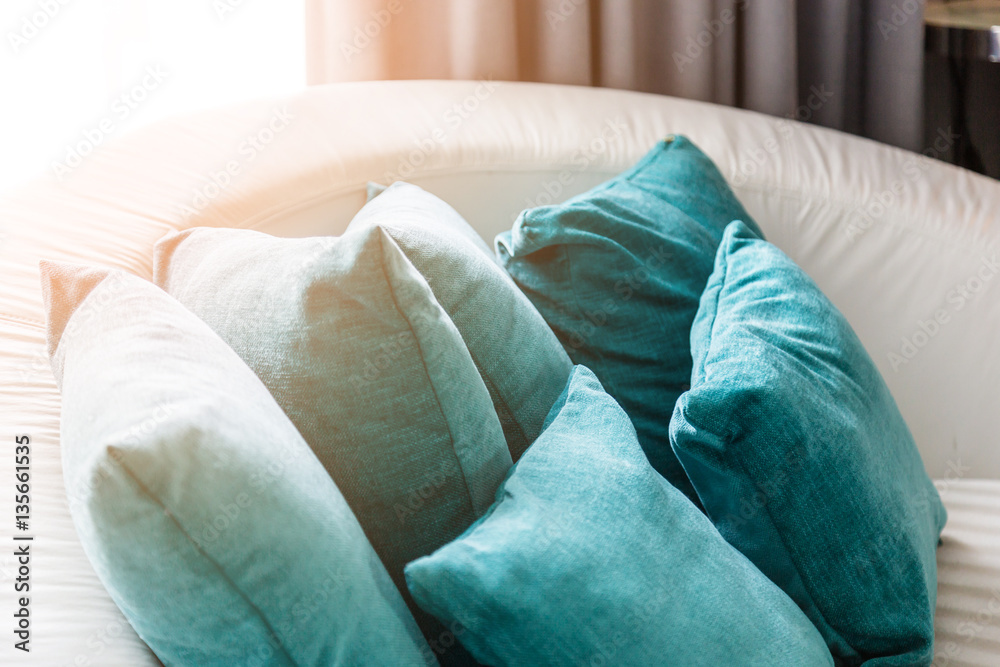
x: 906, y: 247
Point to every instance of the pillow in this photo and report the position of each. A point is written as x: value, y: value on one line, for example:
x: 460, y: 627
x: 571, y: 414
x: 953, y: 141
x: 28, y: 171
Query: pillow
x: 589, y: 557
x: 205, y: 514
x: 520, y: 360
x: 803, y: 461
x: 373, y: 190
x: 349, y: 339
x: 617, y: 273
x: 409, y: 206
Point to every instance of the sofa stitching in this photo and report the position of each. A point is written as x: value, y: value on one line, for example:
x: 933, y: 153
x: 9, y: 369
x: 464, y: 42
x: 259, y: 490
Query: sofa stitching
x: 16, y: 319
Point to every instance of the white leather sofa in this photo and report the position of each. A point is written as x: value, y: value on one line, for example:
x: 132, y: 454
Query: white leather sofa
x: 906, y: 247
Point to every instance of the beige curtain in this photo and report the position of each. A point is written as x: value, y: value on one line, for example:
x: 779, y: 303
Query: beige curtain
x: 855, y: 65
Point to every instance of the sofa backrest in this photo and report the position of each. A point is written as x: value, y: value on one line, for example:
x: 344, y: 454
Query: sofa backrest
x: 905, y: 246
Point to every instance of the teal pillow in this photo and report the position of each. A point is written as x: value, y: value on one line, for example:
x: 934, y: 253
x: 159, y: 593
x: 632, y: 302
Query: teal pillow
x: 520, y: 360
x: 589, y: 557
x: 209, y: 520
x: 350, y: 340
x: 617, y: 273
x: 802, y: 459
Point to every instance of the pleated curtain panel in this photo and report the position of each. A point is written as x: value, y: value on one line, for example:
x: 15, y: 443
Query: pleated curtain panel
x: 855, y: 65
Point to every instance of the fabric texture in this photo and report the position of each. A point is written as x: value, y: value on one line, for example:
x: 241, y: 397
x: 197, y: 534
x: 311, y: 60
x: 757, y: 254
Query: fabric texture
x: 887, y: 268
x: 802, y: 460
x: 209, y: 520
x: 966, y: 632
x: 350, y: 340
x: 519, y: 358
x: 855, y: 66
x: 617, y: 273
x: 588, y: 557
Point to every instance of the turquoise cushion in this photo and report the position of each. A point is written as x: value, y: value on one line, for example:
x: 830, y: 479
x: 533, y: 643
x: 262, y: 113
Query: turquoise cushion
x: 617, y: 273
x: 520, y: 360
x: 589, y: 557
x: 208, y: 518
x: 354, y: 347
x: 803, y: 461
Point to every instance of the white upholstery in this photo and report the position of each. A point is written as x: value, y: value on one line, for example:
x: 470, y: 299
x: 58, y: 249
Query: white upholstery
x: 887, y: 236
x: 967, y: 622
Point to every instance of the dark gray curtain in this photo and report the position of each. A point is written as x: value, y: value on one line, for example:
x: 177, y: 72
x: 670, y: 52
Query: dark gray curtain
x: 855, y: 65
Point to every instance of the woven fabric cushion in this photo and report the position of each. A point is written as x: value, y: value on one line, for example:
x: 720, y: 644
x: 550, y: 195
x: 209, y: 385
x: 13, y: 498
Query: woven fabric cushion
x: 204, y: 512
x: 519, y: 358
x: 802, y: 459
x: 589, y: 557
x: 350, y: 340
x: 617, y: 273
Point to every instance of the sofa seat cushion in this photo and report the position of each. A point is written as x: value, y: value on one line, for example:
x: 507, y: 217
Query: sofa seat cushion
x: 967, y: 621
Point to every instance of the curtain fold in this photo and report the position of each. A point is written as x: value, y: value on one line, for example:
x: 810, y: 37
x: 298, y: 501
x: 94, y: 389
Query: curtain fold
x: 855, y: 65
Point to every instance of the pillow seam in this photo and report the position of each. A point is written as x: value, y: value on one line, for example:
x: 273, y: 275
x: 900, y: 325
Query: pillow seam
x: 743, y: 469
x: 389, y: 227
x: 488, y: 381
x: 423, y: 362
x: 173, y: 519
